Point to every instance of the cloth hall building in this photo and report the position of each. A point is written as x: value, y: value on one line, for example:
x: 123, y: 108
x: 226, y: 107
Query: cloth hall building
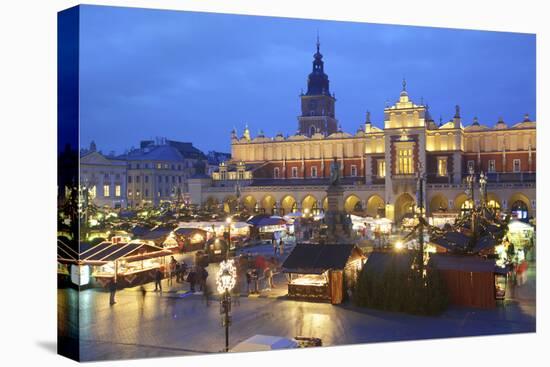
x: 379, y: 166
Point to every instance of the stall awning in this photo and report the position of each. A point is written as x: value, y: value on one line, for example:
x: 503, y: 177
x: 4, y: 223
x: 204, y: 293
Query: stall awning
x: 107, y: 251
x: 308, y: 258
x: 65, y: 253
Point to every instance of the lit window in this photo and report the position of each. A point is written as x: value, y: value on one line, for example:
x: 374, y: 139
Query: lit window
x: 517, y: 165
x: 137, y: 192
x: 381, y: 168
x: 442, y: 166
x: 491, y: 167
x: 405, y: 161
x: 92, y: 192
x: 159, y: 166
x: 353, y: 171
x: 294, y: 172
x: 106, y: 190
x: 117, y: 190
x: 314, y: 171
x: 241, y: 175
x: 276, y: 172
x: 129, y: 192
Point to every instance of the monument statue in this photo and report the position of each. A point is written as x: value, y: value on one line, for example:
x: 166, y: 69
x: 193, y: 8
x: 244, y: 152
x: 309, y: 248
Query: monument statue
x: 334, y: 172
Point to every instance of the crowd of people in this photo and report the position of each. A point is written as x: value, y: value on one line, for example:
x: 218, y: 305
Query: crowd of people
x: 254, y: 272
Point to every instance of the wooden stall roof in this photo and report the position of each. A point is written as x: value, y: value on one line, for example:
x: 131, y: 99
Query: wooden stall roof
x: 185, y: 231
x: 473, y: 264
x: 65, y: 253
x: 106, y: 251
x: 308, y: 258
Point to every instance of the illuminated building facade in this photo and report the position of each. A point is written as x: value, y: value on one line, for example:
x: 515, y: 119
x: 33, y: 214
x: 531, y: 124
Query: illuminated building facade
x: 104, y: 176
x: 379, y: 166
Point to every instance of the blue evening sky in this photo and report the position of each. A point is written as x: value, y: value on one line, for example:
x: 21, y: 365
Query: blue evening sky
x: 194, y: 76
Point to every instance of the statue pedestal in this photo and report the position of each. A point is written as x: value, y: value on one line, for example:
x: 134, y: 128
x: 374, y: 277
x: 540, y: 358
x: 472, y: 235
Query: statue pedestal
x: 335, y: 215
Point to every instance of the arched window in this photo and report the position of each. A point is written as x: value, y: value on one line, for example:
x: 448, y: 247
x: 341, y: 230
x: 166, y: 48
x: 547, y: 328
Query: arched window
x: 276, y: 172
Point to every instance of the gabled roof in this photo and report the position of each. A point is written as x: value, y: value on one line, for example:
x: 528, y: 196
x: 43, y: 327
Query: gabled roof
x: 308, y: 258
x: 465, y: 263
x: 94, y: 157
x: 65, y: 251
x: 158, y: 153
x: 107, y: 251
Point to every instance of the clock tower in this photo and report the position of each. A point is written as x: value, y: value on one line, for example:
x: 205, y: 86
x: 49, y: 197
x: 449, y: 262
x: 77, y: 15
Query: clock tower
x: 317, y: 104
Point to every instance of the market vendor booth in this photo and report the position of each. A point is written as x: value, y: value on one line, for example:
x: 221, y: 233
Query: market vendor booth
x: 190, y: 239
x: 316, y: 272
x: 128, y: 264
x: 471, y: 281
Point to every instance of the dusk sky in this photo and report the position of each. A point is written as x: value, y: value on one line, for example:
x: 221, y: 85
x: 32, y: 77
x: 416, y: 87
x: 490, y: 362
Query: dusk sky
x: 195, y: 76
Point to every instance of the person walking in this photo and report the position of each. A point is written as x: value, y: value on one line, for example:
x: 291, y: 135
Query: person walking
x: 112, y: 291
x: 274, y: 242
x: 177, y: 270
x: 191, y: 279
x: 268, y: 275
x: 203, y: 274
x: 158, y: 279
x: 281, y: 247
x: 248, y: 281
x: 183, y: 270
x: 172, y: 270
x: 255, y: 279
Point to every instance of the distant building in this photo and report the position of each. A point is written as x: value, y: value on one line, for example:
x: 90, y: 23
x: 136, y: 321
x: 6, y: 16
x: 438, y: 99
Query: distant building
x: 104, y: 177
x: 215, y: 159
x: 158, y: 171
x: 379, y: 166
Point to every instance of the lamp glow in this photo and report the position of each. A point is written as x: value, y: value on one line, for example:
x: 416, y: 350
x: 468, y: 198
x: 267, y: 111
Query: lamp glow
x: 226, y: 277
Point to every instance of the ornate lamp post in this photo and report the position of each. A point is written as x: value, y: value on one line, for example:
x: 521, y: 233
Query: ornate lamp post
x: 226, y: 280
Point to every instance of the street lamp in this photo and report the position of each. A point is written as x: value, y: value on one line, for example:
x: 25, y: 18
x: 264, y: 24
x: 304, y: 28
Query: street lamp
x: 226, y: 280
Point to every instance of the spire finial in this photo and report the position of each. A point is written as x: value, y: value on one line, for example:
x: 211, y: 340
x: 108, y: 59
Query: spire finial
x: 318, y: 43
x: 404, y: 85
x: 368, y: 117
x: 457, y: 111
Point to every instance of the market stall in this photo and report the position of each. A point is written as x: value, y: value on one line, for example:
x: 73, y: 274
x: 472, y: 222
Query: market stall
x: 520, y: 234
x: 129, y: 263
x: 440, y: 219
x: 316, y: 272
x: 239, y: 230
x: 190, y: 239
x: 471, y: 281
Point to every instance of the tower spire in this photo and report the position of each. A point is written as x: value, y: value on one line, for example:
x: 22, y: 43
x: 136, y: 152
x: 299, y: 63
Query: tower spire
x: 318, y: 43
x: 404, y: 83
